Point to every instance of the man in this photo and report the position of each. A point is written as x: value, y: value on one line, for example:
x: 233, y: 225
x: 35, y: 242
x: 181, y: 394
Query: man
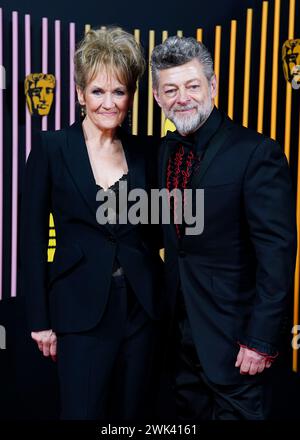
x: 227, y: 286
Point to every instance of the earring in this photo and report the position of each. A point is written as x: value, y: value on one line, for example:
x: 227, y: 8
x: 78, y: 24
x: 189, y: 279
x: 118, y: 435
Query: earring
x: 82, y: 112
x: 129, y: 117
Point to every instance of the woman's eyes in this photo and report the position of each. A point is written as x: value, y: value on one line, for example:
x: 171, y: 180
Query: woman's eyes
x: 119, y: 92
x: 99, y: 92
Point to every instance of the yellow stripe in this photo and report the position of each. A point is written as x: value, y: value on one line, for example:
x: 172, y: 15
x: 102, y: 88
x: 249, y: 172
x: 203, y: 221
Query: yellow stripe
x: 262, y: 70
x: 150, y: 94
x: 162, y: 115
x: 275, y: 70
x: 231, y: 68
x: 288, y: 101
x: 247, y: 67
x: 199, y: 34
x: 135, y: 108
x: 51, y: 221
x: 217, y: 57
x: 51, y: 253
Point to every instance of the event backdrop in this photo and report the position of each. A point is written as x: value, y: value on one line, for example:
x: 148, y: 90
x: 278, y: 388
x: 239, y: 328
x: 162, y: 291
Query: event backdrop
x: 248, y: 65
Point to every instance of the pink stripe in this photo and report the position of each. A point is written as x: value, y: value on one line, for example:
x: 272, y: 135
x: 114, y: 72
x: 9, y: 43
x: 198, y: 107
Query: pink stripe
x: 44, y: 60
x: 14, y: 213
x: 57, y: 76
x: 27, y: 72
x: 72, y: 84
x: 1, y: 158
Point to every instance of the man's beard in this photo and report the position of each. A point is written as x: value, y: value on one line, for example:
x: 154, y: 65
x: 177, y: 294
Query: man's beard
x: 187, y: 124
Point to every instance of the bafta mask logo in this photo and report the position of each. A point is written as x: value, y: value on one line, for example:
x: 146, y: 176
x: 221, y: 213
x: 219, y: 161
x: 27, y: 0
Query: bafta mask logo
x: 291, y: 61
x: 39, y: 91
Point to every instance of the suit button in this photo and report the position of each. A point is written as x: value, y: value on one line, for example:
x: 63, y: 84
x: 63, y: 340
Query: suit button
x: 112, y: 239
x: 182, y: 254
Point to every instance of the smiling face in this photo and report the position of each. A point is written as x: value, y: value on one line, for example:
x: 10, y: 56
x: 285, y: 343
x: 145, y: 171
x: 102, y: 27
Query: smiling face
x: 185, y: 95
x: 106, y: 101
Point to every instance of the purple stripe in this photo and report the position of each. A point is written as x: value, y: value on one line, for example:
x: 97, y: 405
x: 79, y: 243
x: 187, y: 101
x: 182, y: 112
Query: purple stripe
x: 44, y: 60
x: 72, y: 84
x: 57, y: 76
x: 1, y: 158
x: 27, y: 72
x: 14, y: 213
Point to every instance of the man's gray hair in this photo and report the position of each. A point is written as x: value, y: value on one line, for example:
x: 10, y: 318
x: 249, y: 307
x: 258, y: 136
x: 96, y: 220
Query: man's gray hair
x: 175, y: 51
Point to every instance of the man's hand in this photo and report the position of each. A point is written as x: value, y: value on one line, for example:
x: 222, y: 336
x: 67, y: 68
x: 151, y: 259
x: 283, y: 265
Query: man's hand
x: 251, y: 362
x: 46, y: 341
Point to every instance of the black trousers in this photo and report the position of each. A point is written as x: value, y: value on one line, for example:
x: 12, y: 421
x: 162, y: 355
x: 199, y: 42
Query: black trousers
x: 105, y: 373
x: 198, y: 398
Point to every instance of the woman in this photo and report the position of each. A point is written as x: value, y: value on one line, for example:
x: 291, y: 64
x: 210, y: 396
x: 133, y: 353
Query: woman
x: 95, y: 306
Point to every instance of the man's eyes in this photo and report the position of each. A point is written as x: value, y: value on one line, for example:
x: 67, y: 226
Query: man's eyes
x: 170, y: 91
x: 173, y: 92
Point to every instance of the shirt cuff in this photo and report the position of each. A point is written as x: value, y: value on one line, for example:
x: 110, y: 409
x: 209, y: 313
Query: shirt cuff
x: 263, y: 348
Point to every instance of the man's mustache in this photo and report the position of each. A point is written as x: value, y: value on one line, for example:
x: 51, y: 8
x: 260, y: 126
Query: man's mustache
x: 188, y: 107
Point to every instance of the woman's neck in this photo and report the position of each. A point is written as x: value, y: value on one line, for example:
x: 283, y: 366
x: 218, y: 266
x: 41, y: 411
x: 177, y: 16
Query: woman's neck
x: 100, y: 139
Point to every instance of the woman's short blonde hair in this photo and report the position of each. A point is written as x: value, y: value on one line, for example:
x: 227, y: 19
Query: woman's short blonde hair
x: 113, y: 50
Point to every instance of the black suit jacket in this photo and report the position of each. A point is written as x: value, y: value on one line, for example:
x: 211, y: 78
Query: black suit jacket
x: 70, y: 294
x: 236, y: 275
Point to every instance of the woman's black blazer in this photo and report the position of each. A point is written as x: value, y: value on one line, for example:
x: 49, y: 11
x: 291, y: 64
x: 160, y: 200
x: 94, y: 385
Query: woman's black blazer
x: 70, y: 294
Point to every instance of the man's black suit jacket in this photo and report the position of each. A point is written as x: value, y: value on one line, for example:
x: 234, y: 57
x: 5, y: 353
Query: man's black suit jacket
x: 236, y: 275
x: 70, y: 294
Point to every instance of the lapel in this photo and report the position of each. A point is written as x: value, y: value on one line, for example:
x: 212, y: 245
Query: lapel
x: 78, y: 163
x: 213, y: 147
x: 164, y: 154
x: 164, y: 157
x: 135, y: 160
x: 136, y: 168
x: 77, y: 160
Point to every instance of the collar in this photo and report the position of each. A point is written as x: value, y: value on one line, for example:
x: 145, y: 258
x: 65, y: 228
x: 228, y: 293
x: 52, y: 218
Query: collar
x: 204, y: 133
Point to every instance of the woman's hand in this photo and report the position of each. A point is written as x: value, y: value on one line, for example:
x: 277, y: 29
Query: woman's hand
x: 46, y: 341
